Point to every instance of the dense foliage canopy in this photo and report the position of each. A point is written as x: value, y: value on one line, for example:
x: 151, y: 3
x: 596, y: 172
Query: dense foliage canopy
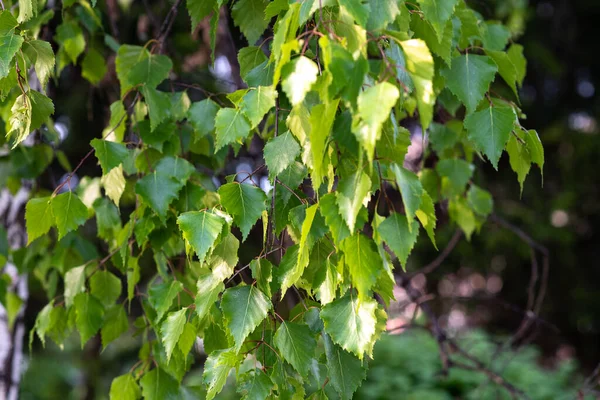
x: 285, y: 282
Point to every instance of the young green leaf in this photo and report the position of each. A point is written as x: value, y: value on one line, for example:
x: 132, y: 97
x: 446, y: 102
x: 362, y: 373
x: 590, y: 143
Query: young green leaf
x: 38, y: 217
x: 93, y: 66
x: 159, y: 385
x: 89, y: 316
x: 296, y: 344
x: 201, y: 115
x: 150, y: 71
x: 480, y: 200
x: 216, y: 369
x: 469, y: 78
x: 489, y: 130
x: 254, y: 385
x: 115, y: 324
x: 249, y: 16
x: 161, y: 296
x: 245, y: 203
x: 106, y: 287
x: 231, y: 125
x: 438, y: 12
x: 518, y: 156
x: 401, y: 238
x: 69, y: 213
x: 280, y: 152
x: 124, y: 387
x: 321, y: 121
x: 74, y: 283
x: 426, y: 215
x: 171, y: 330
x: 200, y: 230
x: 9, y: 45
x: 351, y: 194
x: 346, y: 371
x: 419, y: 64
x: 300, y: 75
x: 364, y: 263
x: 374, y: 107
x: 244, y: 307
x: 410, y: 189
x: 109, y: 154
x: 351, y: 323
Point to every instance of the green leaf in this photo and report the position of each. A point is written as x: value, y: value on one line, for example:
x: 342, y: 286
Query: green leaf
x: 383, y: 12
x: 330, y: 211
x: 201, y: 115
x: 254, y: 385
x: 364, y: 263
x: 69, y: 212
x: 159, y: 105
x: 27, y: 10
x: 351, y: 194
x: 171, y: 330
x: 109, y: 154
x: 280, y: 152
x: 159, y: 188
x: 462, y: 215
x: 515, y: 54
x: 41, y: 55
x: 74, y: 283
x: 245, y: 203
x: 9, y: 45
x: 442, y: 47
x: 150, y: 71
x: 127, y: 57
x: 38, y: 217
x: 351, y: 323
x: 480, y: 200
x: 200, y: 229
x: 374, y: 107
x: 489, y: 130
x: 209, y: 288
x: 536, y: 150
x: 20, y: 120
x: 442, y: 137
x: 506, y: 68
x: 114, y: 184
x: 41, y: 108
x: 399, y: 236
x: 495, y: 36
x: 469, y: 78
x: 124, y: 387
x: 89, y: 317
x: 115, y: 324
x: 262, y: 270
x: 232, y: 125
x: 257, y: 102
x: 249, y: 16
x: 321, y: 121
x: 419, y: 64
x: 70, y: 37
x: 198, y: 9
x: 518, y: 156
x: 161, y: 296
x: 216, y: 369
x: 410, y: 189
x: 346, y: 372
x: 426, y: 215
x: 296, y: 344
x: 106, y: 287
x: 250, y: 58
x: 438, y: 12
x: 93, y: 66
x: 300, y: 75
x: 244, y: 308
x: 359, y: 11
x: 159, y: 385
x: 187, y: 339
x: 459, y: 172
